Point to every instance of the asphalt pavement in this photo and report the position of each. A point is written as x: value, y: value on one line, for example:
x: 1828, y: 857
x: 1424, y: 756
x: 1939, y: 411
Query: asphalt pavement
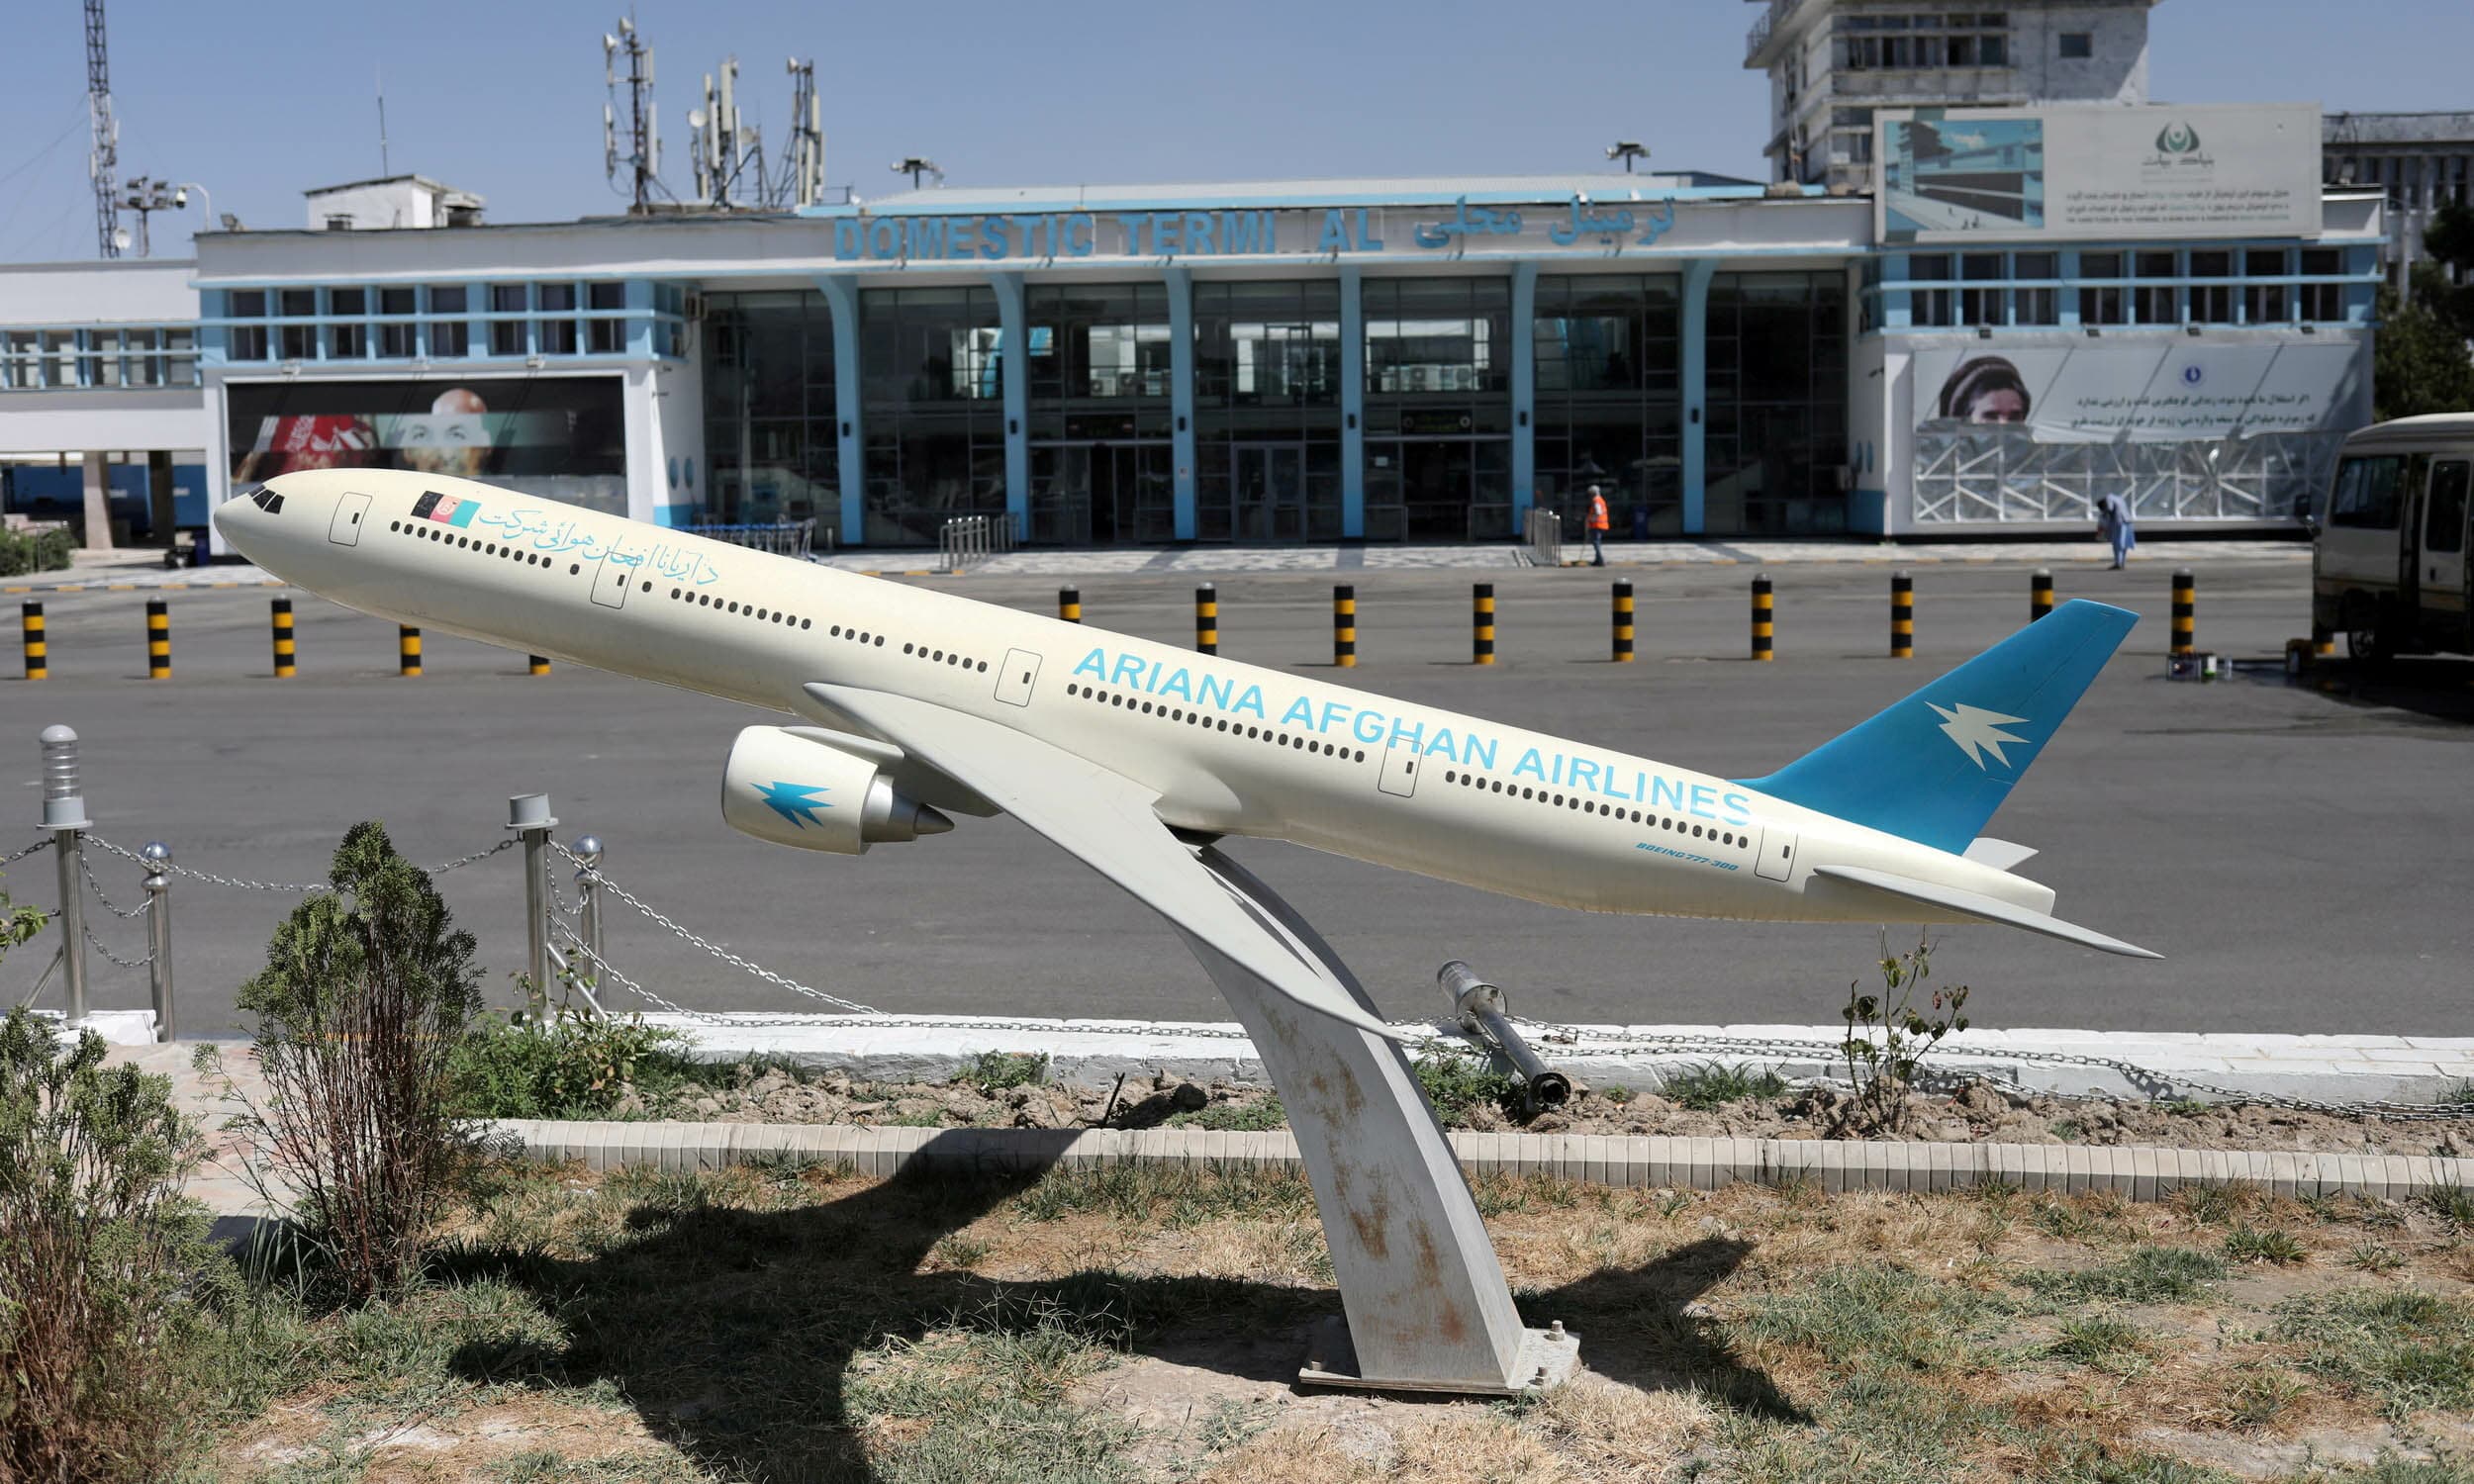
x: 2293, y: 849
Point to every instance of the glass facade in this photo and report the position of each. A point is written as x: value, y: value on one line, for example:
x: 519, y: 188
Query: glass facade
x: 1776, y: 439
x: 1102, y: 463
x: 1267, y: 412
x: 1438, y: 408
x: 932, y: 395
x: 1610, y: 406
x: 770, y: 439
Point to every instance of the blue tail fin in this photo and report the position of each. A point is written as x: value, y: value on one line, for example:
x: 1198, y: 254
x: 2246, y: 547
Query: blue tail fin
x: 1935, y: 767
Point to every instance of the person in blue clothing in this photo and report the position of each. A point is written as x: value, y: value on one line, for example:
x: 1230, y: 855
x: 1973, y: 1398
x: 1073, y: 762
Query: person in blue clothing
x: 2113, y: 522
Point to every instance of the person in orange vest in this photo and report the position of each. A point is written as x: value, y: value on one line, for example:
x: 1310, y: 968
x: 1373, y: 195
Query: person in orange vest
x: 1597, y: 527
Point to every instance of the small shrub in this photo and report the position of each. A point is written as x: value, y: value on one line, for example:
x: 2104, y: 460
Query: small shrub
x: 1455, y: 1081
x: 1713, y: 1085
x: 1618, y: 1094
x: 996, y: 1071
x: 2245, y: 1243
x: 564, y: 1065
x: 100, y: 1261
x: 1887, y: 1037
x: 2373, y: 1258
x: 21, y: 552
x: 2212, y: 1204
x: 364, y: 1001
x: 1235, y: 1118
x: 2454, y: 1204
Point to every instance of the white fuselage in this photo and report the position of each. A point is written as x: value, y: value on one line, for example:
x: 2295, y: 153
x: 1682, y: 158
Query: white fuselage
x: 1229, y: 748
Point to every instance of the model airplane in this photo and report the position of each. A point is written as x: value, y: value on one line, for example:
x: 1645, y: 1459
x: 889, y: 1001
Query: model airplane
x: 1129, y: 754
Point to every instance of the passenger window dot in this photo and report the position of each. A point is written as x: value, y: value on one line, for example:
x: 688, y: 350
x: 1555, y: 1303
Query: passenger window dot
x: 880, y: 641
x: 806, y: 623
x: 649, y: 587
x: 574, y: 567
x: 983, y: 667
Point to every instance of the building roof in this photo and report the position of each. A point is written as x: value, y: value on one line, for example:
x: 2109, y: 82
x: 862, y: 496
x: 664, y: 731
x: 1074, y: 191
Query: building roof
x: 1349, y: 190
x: 357, y: 185
x: 2435, y: 128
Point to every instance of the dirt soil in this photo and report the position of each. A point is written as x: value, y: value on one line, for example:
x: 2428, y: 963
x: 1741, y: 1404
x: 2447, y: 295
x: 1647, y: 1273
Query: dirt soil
x: 1976, y: 1112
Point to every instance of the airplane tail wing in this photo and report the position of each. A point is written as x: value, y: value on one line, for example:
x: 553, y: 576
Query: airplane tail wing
x: 1933, y: 767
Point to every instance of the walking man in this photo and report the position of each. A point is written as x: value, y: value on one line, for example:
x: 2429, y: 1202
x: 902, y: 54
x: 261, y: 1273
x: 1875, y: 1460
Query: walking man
x: 2113, y: 522
x: 1597, y: 527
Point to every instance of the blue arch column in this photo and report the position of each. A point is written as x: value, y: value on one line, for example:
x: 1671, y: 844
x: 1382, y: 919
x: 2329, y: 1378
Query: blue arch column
x: 1180, y: 285
x: 841, y: 295
x: 1524, y: 391
x: 1351, y: 404
x: 1698, y: 273
x: 1013, y: 363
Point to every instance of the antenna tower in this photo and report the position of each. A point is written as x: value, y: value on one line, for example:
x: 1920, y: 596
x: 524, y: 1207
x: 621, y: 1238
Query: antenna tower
x: 103, y: 156
x: 642, y: 158
x: 802, y: 184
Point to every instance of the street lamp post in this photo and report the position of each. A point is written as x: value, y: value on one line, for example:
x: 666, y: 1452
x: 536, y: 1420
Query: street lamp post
x: 915, y: 166
x: 1627, y: 150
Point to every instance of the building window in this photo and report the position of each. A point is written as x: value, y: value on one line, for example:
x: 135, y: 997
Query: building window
x: 1438, y: 408
x: 1102, y: 466
x: 2212, y: 303
x: 1266, y: 414
x: 606, y: 336
x: 181, y: 357
x: 1929, y: 307
x: 2323, y: 302
x: 2102, y: 303
x: 2265, y: 302
x: 507, y: 336
x: 933, y: 385
x: 450, y: 338
x: 349, y: 341
x: 2077, y: 45
x: 2035, y: 303
x: 299, y: 341
x: 1981, y: 306
x: 772, y: 436
x: 555, y: 336
x: 1775, y: 434
x: 2158, y: 302
x: 1610, y: 396
x: 246, y: 342
x: 395, y: 335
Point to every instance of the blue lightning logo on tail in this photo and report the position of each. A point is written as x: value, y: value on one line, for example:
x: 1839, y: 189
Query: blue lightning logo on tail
x: 796, y: 803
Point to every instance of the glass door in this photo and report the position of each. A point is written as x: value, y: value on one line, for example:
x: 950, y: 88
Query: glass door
x: 1268, y: 492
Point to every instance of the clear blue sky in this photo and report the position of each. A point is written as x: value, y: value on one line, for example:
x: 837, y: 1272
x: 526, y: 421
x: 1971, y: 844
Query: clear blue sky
x: 505, y: 97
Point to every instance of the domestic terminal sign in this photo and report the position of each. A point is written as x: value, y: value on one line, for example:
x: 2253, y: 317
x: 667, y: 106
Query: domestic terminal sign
x: 1945, y: 175
x: 1576, y: 223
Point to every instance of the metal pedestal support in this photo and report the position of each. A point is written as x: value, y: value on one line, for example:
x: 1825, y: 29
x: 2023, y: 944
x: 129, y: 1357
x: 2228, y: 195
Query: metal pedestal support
x: 1427, y: 1306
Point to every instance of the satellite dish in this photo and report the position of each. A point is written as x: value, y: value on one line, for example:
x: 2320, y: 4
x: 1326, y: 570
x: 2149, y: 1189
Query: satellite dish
x: 695, y: 117
x: 121, y: 237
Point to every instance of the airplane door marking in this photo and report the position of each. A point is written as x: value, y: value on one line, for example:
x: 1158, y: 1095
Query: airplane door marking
x: 1777, y: 860
x: 1016, y: 675
x: 611, y: 579
x: 345, y: 528
x: 1400, y: 773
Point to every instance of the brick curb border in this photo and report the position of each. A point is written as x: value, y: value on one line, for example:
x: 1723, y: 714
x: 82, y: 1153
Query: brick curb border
x: 2138, y: 1173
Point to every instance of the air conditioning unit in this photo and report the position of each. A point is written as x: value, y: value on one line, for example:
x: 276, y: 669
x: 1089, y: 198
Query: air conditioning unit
x: 695, y: 306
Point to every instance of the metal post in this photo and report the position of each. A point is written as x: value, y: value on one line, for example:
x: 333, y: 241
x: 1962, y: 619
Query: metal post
x: 1478, y: 1006
x: 2185, y: 612
x: 528, y: 815
x: 37, y: 648
x: 1069, y: 604
x: 1481, y: 623
x: 279, y: 617
x: 65, y: 814
x: 1344, y: 626
x: 1623, y: 622
x: 589, y: 913
x: 1763, y: 627
x: 536, y: 664
x: 2039, y: 594
x: 407, y: 650
x: 1902, y: 616
x: 1207, y: 619
x: 157, y: 857
x: 158, y: 639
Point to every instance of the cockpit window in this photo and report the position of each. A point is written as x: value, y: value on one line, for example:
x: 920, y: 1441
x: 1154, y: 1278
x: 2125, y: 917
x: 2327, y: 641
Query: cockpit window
x: 265, y: 500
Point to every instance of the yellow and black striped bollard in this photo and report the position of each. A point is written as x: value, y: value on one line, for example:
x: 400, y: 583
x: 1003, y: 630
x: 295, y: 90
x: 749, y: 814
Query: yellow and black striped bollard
x: 158, y: 639
x: 1069, y: 604
x: 2323, y: 643
x: 1902, y: 616
x: 406, y: 651
x: 1481, y: 623
x: 37, y: 649
x: 2185, y: 612
x: 1207, y: 619
x: 2039, y: 594
x: 287, y: 653
x: 536, y: 664
x: 1623, y: 622
x: 1344, y: 626
x: 1764, y: 628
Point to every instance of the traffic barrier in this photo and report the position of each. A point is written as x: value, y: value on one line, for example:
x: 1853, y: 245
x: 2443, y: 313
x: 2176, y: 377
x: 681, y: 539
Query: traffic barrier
x: 1344, y: 626
x: 158, y: 639
x: 1207, y: 619
x: 536, y: 664
x: 2323, y: 643
x: 1764, y: 628
x: 37, y: 649
x: 2039, y: 594
x: 286, y: 652
x: 2185, y: 612
x: 1482, y: 625
x: 1623, y: 623
x: 1069, y: 604
x: 406, y: 651
x: 1902, y: 616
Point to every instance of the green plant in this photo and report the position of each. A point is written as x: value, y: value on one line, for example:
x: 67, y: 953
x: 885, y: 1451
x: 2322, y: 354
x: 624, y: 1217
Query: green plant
x: 563, y: 1065
x: 2148, y: 1275
x: 2245, y: 1243
x: 995, y: 1071
x: 1618, y: 1094
x: 364, y: 999
x: 2451, y: 1203
x: 49, y: 550
x: 1713, y: 1085
x: 2411, y: 1348
x: 2373, y: 1258
x: 1235, y: 1118
x: 2097, y: 1340
x: 2212, y: 1204
x: 1455, y: 1081
x: 100, y: 1263
x: 1887, y: 1037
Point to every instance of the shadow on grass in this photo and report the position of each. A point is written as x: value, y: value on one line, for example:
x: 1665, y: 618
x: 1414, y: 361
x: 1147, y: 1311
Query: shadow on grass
x: 734, y: 1332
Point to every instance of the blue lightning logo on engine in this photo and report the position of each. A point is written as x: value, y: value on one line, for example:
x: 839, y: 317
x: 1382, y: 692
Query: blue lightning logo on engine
x: 796, y: 803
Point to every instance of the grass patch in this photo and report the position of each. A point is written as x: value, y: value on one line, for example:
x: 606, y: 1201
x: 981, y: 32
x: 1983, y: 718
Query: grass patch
x: 2407, y: 1347
x: 1455, y: 1081
x: 2454, y: 1204
x: 1261, y: 1117
x: 2098, y: 1339
x: 2148, y: 1275
x: 1866, y: 1316
x: 1714, y: 1085
x: 997, y: 1071
x: 2213, y: 1205
x: 2248, y: 1244
x: 565, y: 1066
x: 1171, y: 1196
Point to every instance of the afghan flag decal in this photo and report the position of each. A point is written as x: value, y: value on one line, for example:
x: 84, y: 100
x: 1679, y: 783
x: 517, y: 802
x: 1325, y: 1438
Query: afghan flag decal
x: 446, y: 509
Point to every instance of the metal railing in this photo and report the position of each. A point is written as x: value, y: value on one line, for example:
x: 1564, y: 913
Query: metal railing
x: 780, y: 537
x: 1542, y: 533
x: 965, y: 539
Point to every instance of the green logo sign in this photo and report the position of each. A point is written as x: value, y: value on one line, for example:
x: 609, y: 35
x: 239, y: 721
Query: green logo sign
x: 2178, y: 138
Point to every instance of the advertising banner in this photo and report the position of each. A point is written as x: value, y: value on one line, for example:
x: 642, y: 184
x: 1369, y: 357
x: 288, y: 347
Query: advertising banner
x: 2146, y: 394
x: 2097, y: 173
x: 564, y: 437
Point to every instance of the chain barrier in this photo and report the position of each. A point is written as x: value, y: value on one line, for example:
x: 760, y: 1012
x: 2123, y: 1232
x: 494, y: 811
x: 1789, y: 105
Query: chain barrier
x: 96, y: 888
x: 12, y: 859
x: 96, y: 944
x: 245, y: 884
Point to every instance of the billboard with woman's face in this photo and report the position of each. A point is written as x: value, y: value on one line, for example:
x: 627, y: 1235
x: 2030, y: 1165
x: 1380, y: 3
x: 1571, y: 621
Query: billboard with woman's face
x: 563, y: 438
x: 2182, y: 392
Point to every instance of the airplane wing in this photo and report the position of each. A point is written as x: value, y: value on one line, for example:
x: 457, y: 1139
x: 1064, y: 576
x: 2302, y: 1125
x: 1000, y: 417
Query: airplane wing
x: 1101, y: 818
x: 1981, y: 907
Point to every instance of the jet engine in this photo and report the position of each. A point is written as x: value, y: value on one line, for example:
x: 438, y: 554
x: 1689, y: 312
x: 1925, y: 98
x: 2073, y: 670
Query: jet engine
x: 786, y: 788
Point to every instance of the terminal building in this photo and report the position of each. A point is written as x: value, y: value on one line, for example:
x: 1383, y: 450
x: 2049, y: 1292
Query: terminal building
x: 1989, y: 318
